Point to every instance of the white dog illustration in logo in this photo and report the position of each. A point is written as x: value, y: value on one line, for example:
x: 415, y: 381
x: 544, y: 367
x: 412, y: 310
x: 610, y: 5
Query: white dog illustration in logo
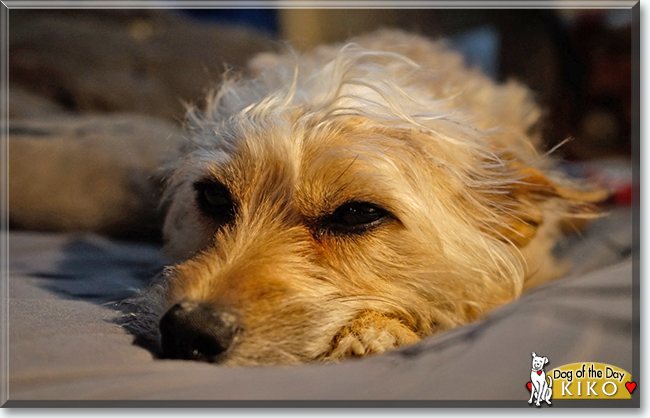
x: 539, y: 385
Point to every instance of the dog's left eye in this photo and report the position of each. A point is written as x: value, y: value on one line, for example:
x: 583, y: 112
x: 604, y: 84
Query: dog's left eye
x: 355, y: 217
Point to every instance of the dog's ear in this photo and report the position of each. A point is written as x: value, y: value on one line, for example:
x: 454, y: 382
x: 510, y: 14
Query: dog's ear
x: 534, y: 355
x: 545, y: 360
x: 519, y: 203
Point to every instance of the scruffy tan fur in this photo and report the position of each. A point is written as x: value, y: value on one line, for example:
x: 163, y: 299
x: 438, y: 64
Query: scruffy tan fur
x: 392, y: 119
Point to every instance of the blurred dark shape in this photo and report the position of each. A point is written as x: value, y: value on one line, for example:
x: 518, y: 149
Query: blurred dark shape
x: 90, y: 173
x: 602, y: 112
x: 578, y: 64
x: 145, y: 61
x: 264, y: 20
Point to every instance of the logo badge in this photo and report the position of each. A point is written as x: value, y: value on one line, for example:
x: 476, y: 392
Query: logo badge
x: 578, y: 381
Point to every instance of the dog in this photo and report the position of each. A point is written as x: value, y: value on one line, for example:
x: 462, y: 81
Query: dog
x: 539, y: 385
x: 354, y: 199
x: 350, y: 200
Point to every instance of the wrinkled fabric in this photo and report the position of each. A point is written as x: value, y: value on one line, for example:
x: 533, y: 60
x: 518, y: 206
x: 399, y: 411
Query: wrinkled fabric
x: 65, y: 344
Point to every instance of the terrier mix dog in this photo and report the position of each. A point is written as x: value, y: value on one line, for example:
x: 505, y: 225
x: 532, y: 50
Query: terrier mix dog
x: 350, y: 200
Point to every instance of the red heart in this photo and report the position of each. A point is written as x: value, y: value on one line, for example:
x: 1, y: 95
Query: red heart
x: 529, y: 386
x: 630, y: 386
x: 539, y: 372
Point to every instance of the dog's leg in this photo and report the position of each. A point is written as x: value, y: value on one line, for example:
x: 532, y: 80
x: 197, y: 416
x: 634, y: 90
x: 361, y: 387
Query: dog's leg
x: 371, y: 333
x: 548, y: 393
x: 536, y: 392
x: 532, y: 392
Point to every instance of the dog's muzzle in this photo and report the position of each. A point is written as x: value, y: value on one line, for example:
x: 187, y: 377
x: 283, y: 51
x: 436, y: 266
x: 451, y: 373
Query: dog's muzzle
x: 198, y: 331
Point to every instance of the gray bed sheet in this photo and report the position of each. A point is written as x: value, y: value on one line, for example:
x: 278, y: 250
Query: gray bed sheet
x: 65, y: 344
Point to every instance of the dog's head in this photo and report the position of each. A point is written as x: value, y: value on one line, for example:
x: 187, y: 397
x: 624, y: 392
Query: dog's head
x: 339, y: 183
x: 538, y: 362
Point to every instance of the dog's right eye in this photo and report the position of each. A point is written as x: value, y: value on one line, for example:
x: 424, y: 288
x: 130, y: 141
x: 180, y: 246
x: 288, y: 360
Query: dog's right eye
x: 355, y: 218
x: 214, y: 199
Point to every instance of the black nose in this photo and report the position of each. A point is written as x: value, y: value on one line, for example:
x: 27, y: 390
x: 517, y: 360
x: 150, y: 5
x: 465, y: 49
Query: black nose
x: 197, y: 331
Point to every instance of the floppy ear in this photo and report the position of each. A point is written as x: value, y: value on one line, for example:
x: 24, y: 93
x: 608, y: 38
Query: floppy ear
x: 520, y: 202
x: 545, y: 360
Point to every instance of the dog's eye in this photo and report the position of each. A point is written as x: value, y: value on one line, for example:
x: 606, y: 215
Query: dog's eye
x: 355, y: 217
x: 215, y: 200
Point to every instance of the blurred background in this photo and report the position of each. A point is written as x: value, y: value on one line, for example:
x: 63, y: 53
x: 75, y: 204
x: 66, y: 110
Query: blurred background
x: 71, y: 63
x: 577, y: 61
